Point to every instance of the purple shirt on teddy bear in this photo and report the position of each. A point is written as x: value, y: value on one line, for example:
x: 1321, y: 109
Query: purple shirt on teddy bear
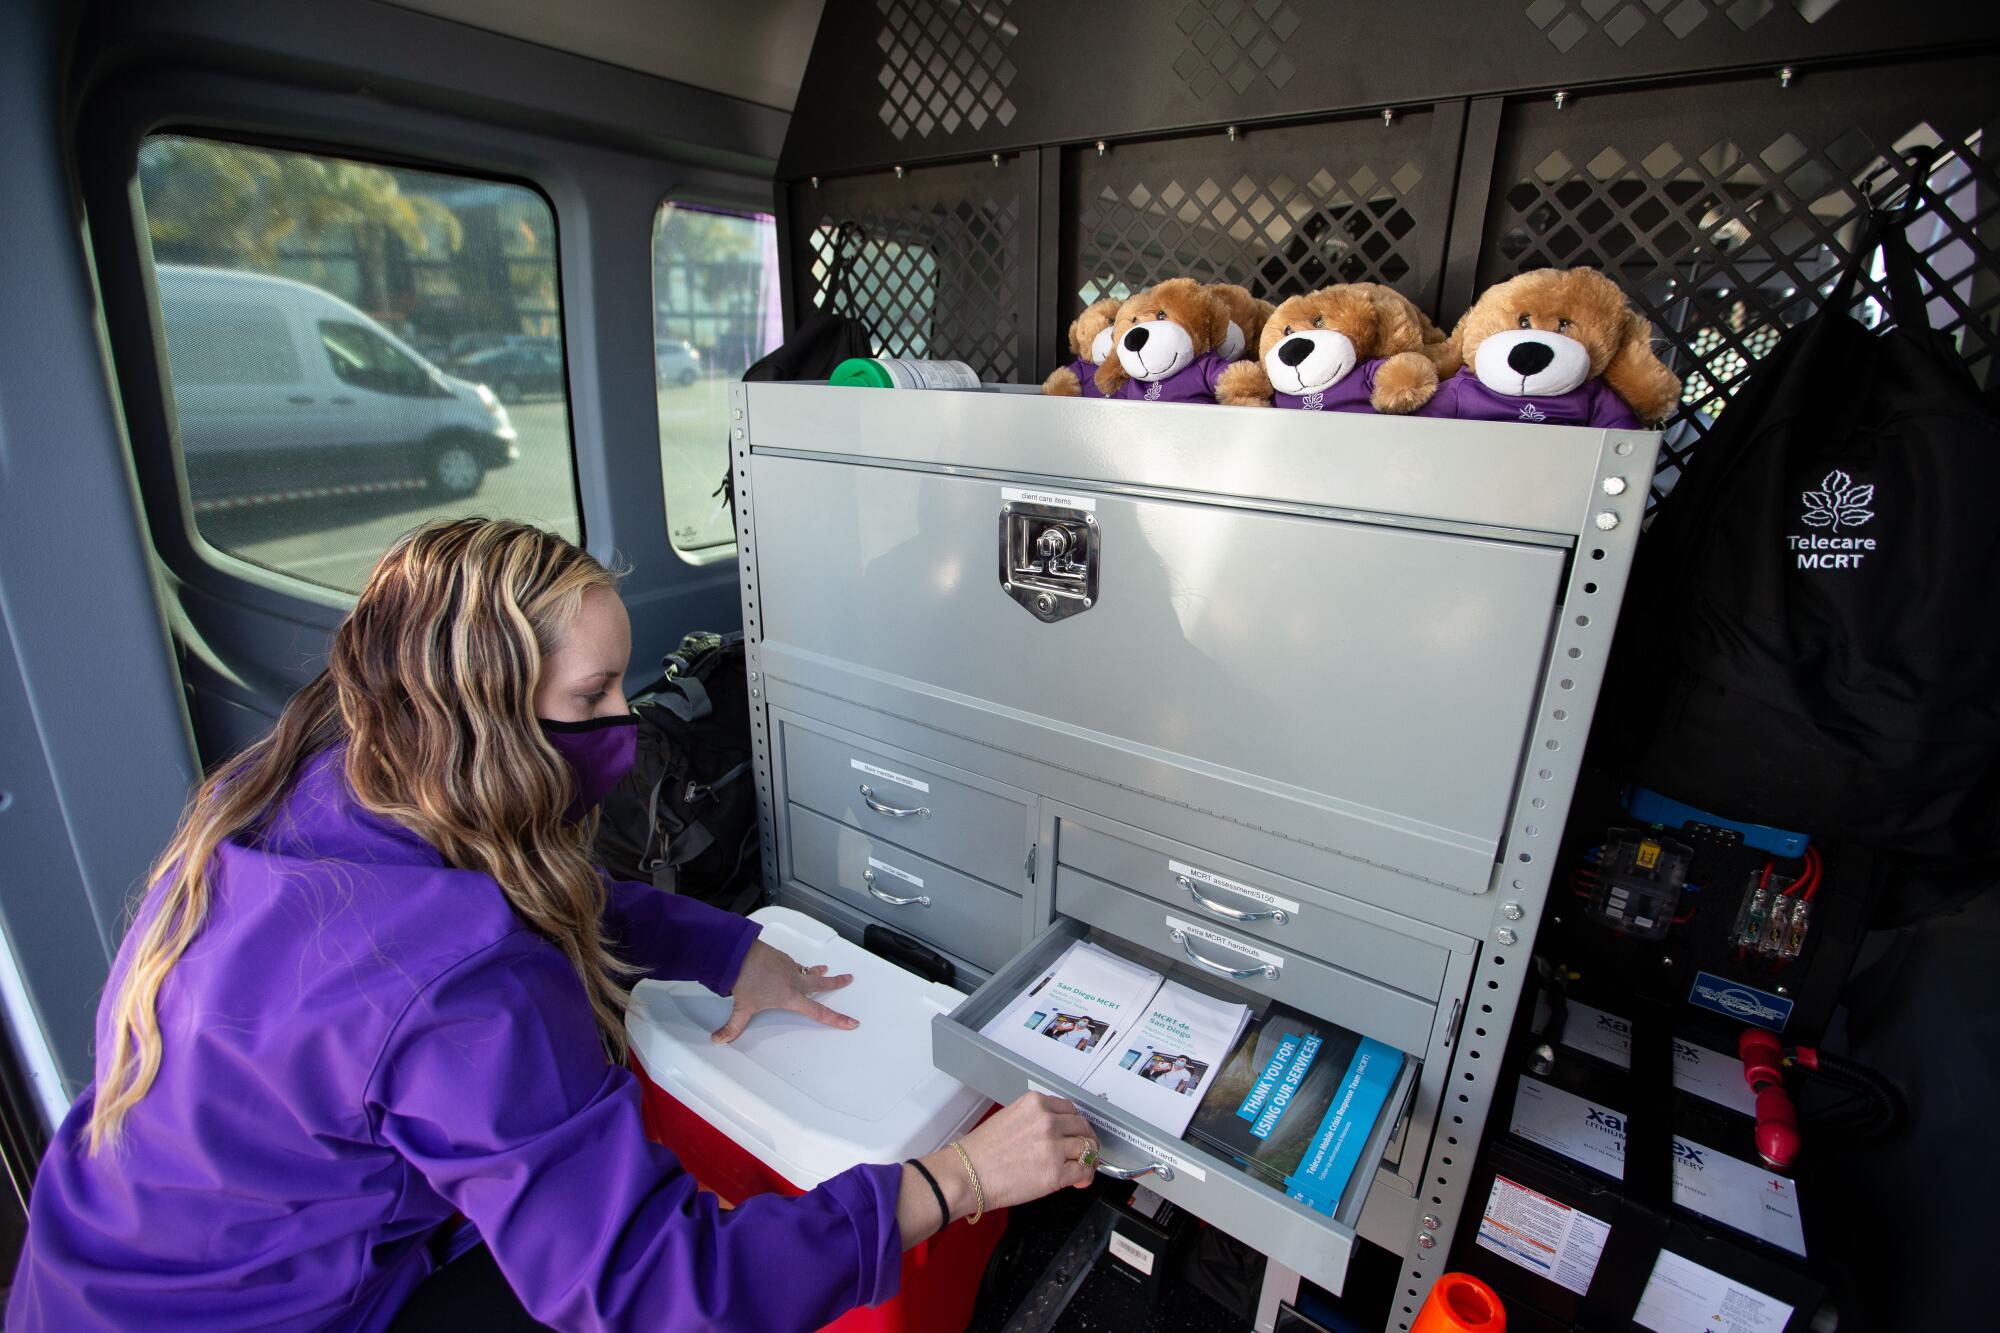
x: 1352, y: 392
x: 1193, y: 384
x: 1592, y: 403
x: 1086, y: 376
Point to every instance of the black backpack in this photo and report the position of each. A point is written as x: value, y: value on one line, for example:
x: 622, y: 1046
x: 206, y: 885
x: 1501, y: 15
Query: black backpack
x: 1812, y: 636
x: 685, y: 818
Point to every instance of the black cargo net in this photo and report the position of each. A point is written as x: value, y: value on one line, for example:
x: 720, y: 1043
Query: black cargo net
x: 1282, y: 212
x: 940, y: 278
x: 1724, y: 243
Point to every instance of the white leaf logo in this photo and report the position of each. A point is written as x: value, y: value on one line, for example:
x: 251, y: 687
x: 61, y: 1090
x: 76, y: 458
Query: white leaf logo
x: 1839, y: 503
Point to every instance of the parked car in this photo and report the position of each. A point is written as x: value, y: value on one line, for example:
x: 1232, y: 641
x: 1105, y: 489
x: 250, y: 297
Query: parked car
x: 276, y: 382
x: 676, y: 361
x: 516, y: 370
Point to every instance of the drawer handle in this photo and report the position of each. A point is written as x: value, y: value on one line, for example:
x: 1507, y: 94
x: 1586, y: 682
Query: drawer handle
x: 1160, y: 1169
x: 868, y: 878
x: 1276, y: 916
x: 1266, y: 970
x: 893, y: 811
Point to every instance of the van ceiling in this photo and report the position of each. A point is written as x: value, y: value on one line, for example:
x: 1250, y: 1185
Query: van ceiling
x: 756, y: 51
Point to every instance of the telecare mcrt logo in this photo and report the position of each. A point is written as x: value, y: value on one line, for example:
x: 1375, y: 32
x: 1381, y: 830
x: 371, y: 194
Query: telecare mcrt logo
x: 1839, y: 503
x: 1529, y: 412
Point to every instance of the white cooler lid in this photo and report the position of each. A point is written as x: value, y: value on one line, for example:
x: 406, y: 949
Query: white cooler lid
x: 807, y: 1100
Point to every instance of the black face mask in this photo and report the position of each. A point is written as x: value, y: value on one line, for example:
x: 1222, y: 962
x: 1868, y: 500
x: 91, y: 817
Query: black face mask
x: 600, y: 752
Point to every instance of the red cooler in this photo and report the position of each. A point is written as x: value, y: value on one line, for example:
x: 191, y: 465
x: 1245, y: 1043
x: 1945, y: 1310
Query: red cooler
x: 791, y: 1103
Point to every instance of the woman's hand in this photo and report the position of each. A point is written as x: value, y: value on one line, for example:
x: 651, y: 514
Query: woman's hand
x: 771, y: 979
x: 1033, y: 1147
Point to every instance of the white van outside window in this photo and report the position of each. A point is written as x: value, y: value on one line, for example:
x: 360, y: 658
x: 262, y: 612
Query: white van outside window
x: 339, y: 339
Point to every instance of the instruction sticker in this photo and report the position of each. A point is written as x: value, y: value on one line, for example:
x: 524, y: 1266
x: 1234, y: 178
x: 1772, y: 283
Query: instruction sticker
x: 1215, y: 881
x: 1543, y: 1235
x: 1193, y: 931
x: 1153, y: 1151
x: 903, y: 875
x: 1683, y: 1297
x: 1015, y: 495
x: 887, y: 776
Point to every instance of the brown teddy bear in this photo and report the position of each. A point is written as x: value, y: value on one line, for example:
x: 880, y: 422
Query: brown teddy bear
x: 1354, y: 347
x: 1167, y: 340
x: 1246, y: 313
x: 1090, y: 340
x: 1560, y: 346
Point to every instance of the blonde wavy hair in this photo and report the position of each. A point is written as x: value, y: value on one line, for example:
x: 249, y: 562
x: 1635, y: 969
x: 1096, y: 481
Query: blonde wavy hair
x: 431, y: 683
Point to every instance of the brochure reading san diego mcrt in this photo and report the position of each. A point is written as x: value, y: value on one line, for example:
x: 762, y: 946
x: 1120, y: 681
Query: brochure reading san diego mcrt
x: 1124, y: 1033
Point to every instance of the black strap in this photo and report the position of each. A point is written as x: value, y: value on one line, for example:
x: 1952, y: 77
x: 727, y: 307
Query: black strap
x: 944, y: 1213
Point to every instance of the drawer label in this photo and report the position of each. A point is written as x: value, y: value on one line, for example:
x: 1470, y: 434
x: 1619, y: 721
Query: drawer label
x: 903, y: 875
x: 1153, y: 1151
x: 887, y: 776
x: 1015, y: 495
x: 1215, y: 881
x: 1192, y: 931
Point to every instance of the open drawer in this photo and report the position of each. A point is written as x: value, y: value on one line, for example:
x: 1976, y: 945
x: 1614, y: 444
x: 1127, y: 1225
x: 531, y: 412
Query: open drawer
x: 1208, y: 1186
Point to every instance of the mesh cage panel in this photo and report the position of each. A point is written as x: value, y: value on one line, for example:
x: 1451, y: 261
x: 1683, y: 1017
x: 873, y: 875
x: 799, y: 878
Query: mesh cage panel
x: 1725, y: 235
x: 940, y: 263
x: 1280, y: 211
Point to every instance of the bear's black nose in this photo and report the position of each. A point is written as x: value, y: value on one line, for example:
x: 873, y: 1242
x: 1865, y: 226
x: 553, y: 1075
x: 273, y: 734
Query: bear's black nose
x: 1527, y: 358
x: 1135, y: 340
x: 1294, y: 350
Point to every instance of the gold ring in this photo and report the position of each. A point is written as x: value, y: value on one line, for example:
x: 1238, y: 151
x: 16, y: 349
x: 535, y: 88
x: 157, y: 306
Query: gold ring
x: 1089, y: 1157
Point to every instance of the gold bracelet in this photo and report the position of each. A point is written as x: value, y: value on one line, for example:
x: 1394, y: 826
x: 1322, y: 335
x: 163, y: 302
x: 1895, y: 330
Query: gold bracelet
x: 978, y: 1194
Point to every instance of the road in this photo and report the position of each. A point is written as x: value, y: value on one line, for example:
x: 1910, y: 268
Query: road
x: 335, y: 538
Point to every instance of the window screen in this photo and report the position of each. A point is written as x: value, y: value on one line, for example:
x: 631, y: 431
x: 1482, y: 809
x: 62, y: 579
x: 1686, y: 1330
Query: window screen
x: 715, y: 312
x: 340, y: 338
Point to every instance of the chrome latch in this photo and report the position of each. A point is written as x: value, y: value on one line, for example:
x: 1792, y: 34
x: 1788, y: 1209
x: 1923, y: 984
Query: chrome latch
x: 1049, y: 558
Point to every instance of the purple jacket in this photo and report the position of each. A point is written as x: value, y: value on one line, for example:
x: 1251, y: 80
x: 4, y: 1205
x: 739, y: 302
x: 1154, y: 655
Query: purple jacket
x: 1590, y: 404
x: 1086, y: 375
x: 361, y: 1043
x: 1193, y: 383
x: 1350, y: 394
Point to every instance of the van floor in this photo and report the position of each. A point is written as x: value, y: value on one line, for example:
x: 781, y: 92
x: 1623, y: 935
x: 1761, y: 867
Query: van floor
x: 1032, y: 1284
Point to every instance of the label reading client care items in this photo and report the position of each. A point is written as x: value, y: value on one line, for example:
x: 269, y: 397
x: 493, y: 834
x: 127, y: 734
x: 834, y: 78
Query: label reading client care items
x: 1015, y: 495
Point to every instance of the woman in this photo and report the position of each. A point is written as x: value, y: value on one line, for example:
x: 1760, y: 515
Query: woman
x: 376, y: 987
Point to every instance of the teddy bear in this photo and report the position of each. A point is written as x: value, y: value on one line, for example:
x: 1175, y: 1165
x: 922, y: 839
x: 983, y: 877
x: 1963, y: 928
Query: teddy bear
x: 1090, y: 340
x: 1246, y: 314
x: 1353, y: 347
x: 1168, y: 340
x: 1561, y: 346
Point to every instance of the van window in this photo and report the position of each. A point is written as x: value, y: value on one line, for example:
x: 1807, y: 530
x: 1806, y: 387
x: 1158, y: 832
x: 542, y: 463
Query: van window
x: 715, y: 312
x: 354, y: 349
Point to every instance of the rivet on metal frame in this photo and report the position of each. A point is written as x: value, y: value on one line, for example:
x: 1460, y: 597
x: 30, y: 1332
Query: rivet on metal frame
x: 815, y: 181
x: 1388, y: 116
x: 996, y: 159
x: 899, y: 171
x: 1232, y: 132
x: 1562, y: 98
x: 1785, y: 77
x: 1102, y: 148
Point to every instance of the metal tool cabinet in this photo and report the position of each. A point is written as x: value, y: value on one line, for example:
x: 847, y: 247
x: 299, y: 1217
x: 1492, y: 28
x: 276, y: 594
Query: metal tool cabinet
x: 1287, y: 705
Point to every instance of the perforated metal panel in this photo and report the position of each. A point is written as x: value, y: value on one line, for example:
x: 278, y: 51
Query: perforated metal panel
x: 1724, y: 218
x: 940, y: 262
x: 944, y: 66
x: 1278, y: 210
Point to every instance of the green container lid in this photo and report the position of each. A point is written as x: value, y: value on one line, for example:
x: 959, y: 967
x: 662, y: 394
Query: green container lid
x: 862, y: 372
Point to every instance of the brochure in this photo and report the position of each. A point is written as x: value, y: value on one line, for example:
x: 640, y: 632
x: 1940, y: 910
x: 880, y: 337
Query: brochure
x: 1296, y: 1102
x: 1170, y: 1057
x: 1077, y: 1012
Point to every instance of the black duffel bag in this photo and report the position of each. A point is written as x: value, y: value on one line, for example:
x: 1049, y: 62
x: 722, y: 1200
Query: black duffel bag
x: 1812, y: 635
x: 685, y: 818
